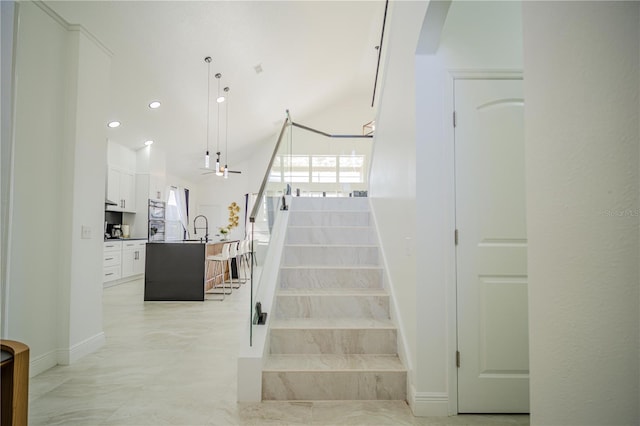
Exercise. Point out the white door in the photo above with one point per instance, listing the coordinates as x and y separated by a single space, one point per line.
491 255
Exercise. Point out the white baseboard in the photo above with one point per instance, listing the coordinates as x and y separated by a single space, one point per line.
122 280
43 363
428 404
79 350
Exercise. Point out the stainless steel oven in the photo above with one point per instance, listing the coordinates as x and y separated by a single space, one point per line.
157 210
156 220
156 230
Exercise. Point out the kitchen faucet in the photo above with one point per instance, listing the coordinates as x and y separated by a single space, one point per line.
206 227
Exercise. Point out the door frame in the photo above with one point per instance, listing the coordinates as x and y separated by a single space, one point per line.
450 188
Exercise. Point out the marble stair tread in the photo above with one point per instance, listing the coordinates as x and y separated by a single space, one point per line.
338 203
330 235
325 276
331 245
311 304
330 218
358 227
334 385
330 210
333 362
331 323
335 255
337 291
336 267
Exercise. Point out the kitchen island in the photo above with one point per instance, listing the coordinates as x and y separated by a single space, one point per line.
175 271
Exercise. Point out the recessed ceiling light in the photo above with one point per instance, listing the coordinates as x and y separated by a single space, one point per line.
220 99
114 124
154 105
147 143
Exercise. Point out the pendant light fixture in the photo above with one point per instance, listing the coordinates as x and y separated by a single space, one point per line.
226 133
206 155
218 170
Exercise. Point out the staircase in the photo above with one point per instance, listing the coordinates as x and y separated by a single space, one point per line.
331 337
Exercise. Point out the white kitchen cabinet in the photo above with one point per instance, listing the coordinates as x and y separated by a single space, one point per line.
112 261
133 257
121 189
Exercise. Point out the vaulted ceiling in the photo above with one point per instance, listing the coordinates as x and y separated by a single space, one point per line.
311 53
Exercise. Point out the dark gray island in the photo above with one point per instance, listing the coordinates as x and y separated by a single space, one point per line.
175 271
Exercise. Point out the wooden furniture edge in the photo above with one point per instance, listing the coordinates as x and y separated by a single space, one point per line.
20 396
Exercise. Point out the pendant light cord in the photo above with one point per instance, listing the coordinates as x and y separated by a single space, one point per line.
208 60
218 105
226 133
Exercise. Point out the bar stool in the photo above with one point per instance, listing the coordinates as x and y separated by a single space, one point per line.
253 245
242 259
233 254
220 259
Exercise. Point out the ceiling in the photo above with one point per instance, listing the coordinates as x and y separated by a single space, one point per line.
312 55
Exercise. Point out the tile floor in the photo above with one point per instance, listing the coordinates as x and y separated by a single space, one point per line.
175 364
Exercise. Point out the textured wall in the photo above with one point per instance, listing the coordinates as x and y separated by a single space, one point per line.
392 180
582 137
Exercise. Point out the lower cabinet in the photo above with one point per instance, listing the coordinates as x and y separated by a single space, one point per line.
112 261
123 259
133 257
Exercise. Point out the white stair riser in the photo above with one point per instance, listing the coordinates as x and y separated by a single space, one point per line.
330 203
334 385
330 235
330 256
333 341
330 278
329 219
330 306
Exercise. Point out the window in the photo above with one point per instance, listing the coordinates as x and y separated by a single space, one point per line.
351 168
176 213
296 168
275 175
323 169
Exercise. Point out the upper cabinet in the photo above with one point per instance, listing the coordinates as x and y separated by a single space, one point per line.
121 178
121 189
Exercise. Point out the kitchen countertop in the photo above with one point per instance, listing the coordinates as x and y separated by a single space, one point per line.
188 242
124 239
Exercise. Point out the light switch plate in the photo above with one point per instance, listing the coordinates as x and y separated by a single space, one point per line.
86 232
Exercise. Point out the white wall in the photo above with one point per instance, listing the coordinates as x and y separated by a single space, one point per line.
37 184
7 15
392 180
476 36
344 116
582 71
54 280
86 145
